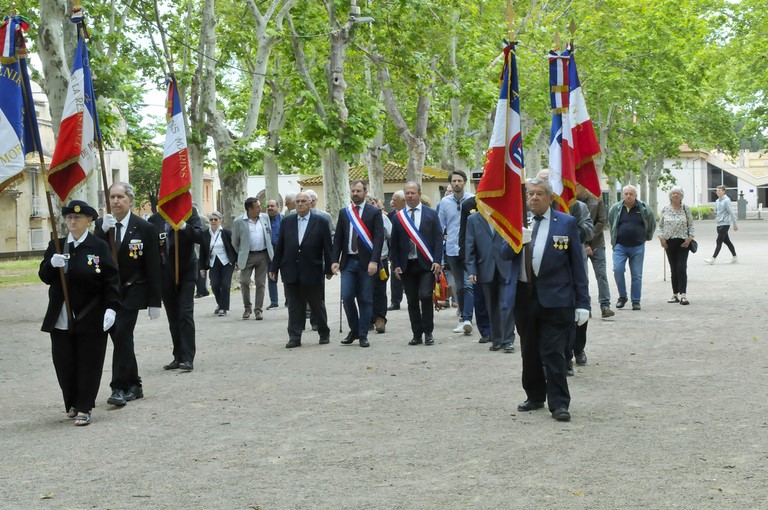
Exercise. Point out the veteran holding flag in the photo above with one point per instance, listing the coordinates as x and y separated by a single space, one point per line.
138 259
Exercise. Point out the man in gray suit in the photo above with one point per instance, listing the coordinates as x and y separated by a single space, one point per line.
486 266
252 239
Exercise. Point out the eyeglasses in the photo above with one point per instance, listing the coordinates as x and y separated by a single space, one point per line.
213 219
75 217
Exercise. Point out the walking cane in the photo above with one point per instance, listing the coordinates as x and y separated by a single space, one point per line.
340 303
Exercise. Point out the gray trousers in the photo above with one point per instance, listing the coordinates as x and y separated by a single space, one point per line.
258 263
502 319
601 275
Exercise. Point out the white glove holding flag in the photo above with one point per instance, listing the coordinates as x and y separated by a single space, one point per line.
107 222
527 235
154 312
582 316
109 318
182 225
58 260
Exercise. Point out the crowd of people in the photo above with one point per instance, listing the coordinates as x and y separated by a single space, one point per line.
99 282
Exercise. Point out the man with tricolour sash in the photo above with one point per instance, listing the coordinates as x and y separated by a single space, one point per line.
357 245
416 252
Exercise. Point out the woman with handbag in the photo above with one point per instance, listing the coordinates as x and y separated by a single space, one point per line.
676 237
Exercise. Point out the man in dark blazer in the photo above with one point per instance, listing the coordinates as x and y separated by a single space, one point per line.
358 261
179 298
553 297
485 266
303 256
417 267
138 261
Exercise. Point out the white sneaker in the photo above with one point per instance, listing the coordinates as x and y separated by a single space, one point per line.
467 327
709 261
459 328
734 260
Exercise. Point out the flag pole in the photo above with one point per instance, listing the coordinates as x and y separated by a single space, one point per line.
97 134
30 110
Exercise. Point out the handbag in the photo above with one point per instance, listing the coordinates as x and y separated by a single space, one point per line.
693 246
441 292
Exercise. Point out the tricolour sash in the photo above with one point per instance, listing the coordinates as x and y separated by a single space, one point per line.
415 235
357 223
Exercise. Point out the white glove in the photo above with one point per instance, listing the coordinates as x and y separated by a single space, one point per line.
58 260
527 234
107 222
182 225
109 318
582 316
154 312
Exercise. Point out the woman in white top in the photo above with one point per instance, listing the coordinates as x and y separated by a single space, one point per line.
675 235
218 256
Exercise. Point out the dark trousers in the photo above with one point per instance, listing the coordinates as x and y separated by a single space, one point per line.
200 286
395 289
299 296
179 302
580 340
544 335
722 238
78 360
272 289
482 317
462 289
380 294
419 284
502 320
357 296
678 265
125 370
221 283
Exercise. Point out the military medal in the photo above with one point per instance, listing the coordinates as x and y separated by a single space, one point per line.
96 262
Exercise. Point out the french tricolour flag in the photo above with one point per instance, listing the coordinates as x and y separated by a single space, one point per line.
74 157
499 192
573 144
175 200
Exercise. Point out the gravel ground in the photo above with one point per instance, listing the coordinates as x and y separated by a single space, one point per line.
670 412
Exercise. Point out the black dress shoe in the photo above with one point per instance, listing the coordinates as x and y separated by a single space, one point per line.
133 393
293 343
364 342
494 347
351 337
393 307
173 365
561 415
581 358
529 405
569 368
484 340
428 340
324 341
415 340
186 366
117 398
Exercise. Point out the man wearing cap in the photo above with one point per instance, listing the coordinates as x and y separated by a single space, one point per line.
179 297
138 261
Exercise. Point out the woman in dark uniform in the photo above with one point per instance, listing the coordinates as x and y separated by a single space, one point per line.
218 256
78 344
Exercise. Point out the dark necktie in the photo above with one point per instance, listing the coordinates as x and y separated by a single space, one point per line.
118 233
529 249
353 244
412 248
